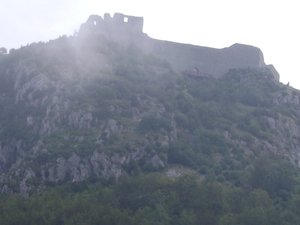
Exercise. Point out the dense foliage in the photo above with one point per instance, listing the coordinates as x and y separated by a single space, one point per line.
157 199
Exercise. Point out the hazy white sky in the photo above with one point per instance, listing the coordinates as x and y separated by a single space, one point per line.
271 25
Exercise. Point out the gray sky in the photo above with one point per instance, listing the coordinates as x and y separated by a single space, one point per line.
270 25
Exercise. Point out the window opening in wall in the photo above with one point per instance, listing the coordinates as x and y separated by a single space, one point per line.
95 23
126 19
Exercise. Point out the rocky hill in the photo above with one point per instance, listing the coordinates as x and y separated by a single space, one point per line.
85 110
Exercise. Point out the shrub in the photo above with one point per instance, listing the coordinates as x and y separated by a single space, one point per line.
153 123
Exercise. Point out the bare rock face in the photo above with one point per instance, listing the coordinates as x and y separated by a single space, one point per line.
112 127
287 97
24 186
286 131
80 119
271 122
157 162
11 154
77 169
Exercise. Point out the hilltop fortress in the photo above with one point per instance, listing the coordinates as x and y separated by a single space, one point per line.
203 61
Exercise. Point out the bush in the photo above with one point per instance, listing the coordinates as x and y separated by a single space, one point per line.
153 123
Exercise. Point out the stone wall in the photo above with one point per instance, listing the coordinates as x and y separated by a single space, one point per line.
128 30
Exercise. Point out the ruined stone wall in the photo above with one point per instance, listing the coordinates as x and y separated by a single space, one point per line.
120 28
208 60
127 30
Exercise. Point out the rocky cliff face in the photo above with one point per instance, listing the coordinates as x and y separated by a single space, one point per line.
84 108
53 110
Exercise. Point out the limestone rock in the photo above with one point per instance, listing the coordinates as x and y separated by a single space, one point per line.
271 123
157 162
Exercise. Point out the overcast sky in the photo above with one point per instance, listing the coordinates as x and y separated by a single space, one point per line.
273 26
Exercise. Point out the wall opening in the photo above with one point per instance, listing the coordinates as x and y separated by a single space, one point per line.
95 23
126 19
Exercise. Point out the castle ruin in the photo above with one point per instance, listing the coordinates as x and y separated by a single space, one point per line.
127 30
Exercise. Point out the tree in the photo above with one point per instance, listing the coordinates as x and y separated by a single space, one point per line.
3 51
274 175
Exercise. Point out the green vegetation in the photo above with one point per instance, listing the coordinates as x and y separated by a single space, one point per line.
77 96
156 199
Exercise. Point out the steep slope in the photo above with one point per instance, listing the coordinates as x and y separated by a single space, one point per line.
95 132
77 108
74 112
